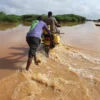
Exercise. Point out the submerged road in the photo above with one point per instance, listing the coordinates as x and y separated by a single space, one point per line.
13 46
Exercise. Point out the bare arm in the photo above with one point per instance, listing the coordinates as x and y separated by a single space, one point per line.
46 28
56 23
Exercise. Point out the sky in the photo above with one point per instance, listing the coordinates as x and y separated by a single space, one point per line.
87 8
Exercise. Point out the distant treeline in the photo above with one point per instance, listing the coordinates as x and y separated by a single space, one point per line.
99 20
28 18
9 18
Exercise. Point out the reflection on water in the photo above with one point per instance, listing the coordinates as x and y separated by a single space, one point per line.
71 23
5 25
26 23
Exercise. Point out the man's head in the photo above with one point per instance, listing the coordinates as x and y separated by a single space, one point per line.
39 18
49 13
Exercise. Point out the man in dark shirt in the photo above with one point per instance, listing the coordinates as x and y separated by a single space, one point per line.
52 22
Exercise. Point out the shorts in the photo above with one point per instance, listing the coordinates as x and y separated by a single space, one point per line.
33 43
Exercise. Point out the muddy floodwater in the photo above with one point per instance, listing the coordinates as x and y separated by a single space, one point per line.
72 72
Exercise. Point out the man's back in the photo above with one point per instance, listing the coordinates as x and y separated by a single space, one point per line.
38 30
52 22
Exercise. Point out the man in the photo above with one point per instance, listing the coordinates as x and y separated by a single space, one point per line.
33 39
52 22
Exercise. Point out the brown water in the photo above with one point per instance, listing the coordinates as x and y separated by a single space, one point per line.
72 72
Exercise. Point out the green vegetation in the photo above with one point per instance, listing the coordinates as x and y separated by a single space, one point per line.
70 18
9 18
62 18
28 18
2 16
99 20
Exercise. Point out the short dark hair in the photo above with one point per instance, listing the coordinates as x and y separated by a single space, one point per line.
39 18
49 13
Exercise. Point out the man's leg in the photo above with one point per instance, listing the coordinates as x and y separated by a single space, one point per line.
35 60
33 44
28 63
46 47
